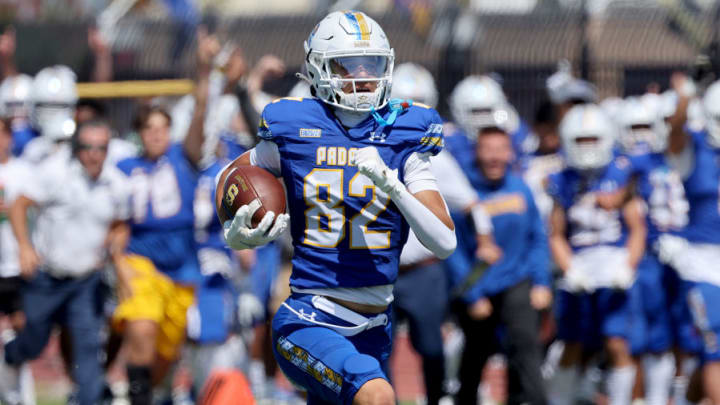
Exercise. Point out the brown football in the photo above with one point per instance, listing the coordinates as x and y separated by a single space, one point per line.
241 184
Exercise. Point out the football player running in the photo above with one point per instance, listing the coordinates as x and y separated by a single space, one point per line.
356 168
644 138
598 251
694 154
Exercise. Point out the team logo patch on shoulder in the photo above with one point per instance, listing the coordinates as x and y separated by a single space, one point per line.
310 133
432 141
434 129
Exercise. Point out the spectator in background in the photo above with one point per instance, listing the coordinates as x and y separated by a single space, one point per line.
78 203
12 174
158 269
510 291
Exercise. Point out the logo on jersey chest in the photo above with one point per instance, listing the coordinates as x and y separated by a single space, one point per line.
310 133
377 137
505 204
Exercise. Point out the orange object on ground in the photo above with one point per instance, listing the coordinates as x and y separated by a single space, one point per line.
227 387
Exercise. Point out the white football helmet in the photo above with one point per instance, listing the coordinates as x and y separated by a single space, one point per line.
612 106
53 97
15 96
587 137
414 82
478 102
711 107
643 128
347 54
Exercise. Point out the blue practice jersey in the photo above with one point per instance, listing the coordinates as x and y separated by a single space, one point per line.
346 232
460 147
587 224
659 186
162 220
22 133
701 188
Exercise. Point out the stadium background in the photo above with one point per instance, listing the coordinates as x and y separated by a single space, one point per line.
622 46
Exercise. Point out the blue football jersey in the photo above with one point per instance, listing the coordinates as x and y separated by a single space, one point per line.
587 224
659 186
162 218
702 188
345 231
460 147
22 134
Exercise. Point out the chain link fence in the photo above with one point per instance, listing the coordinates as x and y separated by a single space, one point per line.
621 51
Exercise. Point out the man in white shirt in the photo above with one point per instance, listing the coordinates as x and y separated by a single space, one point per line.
78 201
12 174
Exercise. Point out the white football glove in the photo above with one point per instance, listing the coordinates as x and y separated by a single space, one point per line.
623 278
577 278
669 247
250 309
577 281
370 164
238 232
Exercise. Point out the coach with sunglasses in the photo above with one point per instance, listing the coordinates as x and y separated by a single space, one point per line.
77 201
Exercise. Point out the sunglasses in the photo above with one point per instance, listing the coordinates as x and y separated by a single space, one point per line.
89 147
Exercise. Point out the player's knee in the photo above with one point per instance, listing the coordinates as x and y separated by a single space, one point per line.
375 392
572 354
618 351
141 337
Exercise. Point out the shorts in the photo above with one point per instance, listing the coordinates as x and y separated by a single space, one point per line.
329 366
704 300
589 318
157 298
684 334
10 296
649 309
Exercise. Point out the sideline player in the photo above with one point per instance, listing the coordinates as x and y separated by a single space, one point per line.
598 251
694 154
643 166
157 273
357 173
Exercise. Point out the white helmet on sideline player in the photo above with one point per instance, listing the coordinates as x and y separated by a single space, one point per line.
414 82
477 97
347 50
643 128
587 137
15 96
53 98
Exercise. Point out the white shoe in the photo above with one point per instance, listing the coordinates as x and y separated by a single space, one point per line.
9 382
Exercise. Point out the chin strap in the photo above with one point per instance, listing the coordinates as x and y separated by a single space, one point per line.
396 105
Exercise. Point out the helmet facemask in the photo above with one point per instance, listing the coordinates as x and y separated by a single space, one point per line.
589 152
353 80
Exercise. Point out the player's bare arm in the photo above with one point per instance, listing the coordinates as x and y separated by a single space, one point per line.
634 216
29 259
208 47
684 89
559 247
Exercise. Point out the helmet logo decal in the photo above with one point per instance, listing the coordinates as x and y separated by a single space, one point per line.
357 20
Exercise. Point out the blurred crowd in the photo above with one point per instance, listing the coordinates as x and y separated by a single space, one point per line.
589 278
